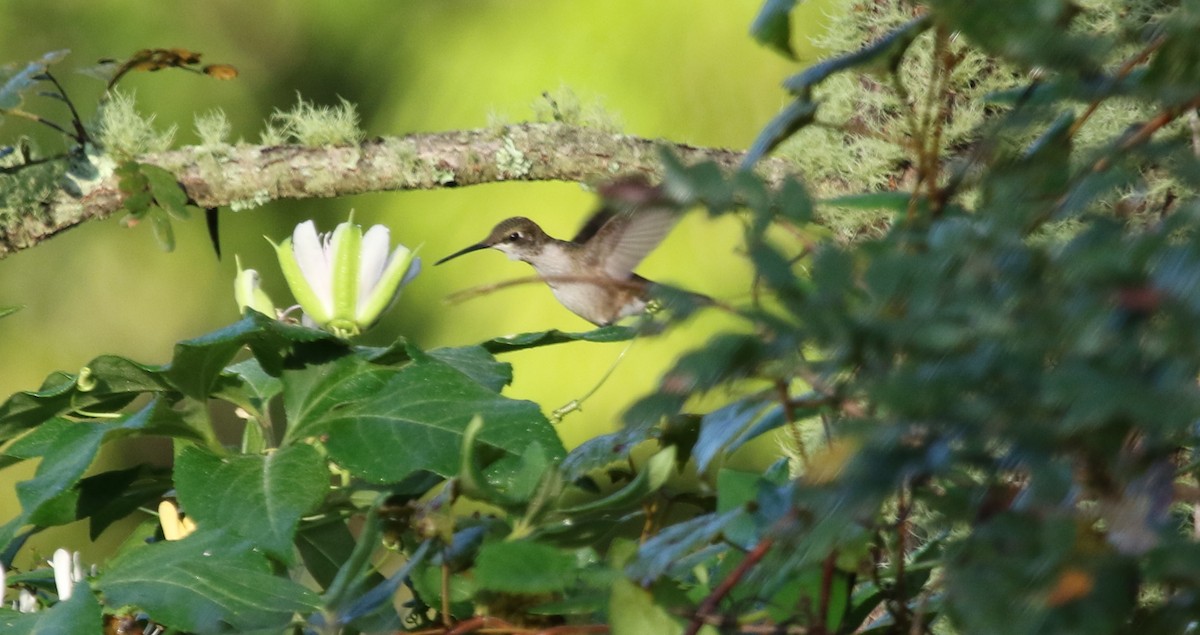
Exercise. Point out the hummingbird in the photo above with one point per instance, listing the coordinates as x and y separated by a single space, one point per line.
592 274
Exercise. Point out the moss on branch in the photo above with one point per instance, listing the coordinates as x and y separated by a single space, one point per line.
243 176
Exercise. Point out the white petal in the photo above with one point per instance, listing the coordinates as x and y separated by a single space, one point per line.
26 602
3 584
61 563
373 258
312 255
76 567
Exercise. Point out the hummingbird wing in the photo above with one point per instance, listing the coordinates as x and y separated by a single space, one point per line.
627 237
593 225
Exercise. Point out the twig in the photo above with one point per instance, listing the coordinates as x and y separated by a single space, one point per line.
1122 71
709 605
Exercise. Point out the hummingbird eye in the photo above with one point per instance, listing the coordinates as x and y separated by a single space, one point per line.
514 237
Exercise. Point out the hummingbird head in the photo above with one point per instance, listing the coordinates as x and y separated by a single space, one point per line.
518 237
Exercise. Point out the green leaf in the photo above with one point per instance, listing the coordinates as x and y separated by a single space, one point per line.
108 384
260 498
720 428
650 479
772 26
79 614
205 583
632 611
9 310
883 55
522 341
478 364
417 420
168 193
324 546
198 363
108 497
669 549
523 567
70 447
311 393
247 385
796 116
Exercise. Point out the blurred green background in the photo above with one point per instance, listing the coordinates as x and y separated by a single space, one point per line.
682 70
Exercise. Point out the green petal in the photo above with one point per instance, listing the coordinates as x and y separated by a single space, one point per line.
347 247
388 287
301 289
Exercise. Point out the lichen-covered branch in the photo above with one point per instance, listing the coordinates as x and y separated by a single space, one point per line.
244 176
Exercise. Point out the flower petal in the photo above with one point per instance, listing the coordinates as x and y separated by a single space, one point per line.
374 259
345 250
310 303
312 256
402 267
61 563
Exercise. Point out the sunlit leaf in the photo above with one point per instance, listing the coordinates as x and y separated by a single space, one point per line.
523 567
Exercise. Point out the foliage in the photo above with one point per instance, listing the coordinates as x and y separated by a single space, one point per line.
991 395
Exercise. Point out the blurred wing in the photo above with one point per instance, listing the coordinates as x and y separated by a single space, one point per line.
628 237
593 225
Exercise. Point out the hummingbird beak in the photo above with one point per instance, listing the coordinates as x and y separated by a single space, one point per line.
475 247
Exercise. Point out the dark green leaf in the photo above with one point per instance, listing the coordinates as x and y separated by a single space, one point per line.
168 193
478 364
773 26
205 583
79 614
108 383
523 341
69 450
198 362
670 546
652 476
797 115
324 546
416 422
719 428
259 498
312 393
884 56
108 497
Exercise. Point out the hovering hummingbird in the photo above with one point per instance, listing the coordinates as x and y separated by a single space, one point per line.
592 274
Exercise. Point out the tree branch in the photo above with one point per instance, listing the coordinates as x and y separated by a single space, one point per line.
245 176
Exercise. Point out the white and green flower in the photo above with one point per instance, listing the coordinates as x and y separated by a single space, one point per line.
344 280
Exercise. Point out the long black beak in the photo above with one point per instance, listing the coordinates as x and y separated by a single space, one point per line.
475 247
